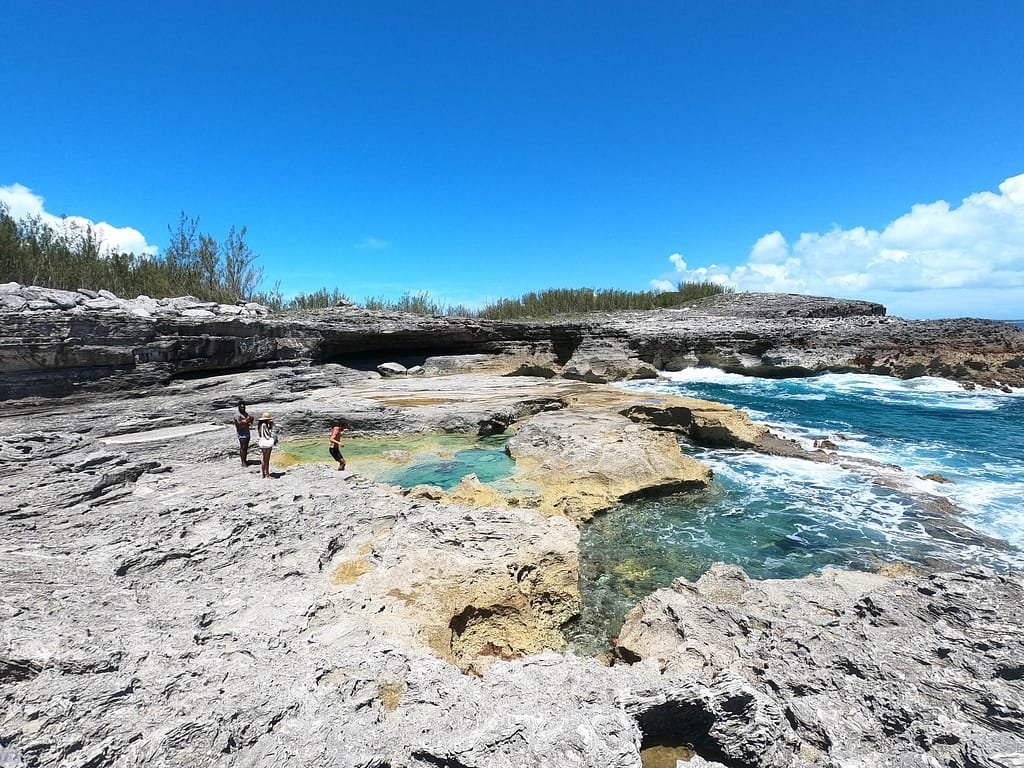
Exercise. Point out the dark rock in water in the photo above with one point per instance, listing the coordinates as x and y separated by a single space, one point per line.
936 477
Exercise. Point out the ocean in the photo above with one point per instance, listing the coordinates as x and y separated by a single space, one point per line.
931 476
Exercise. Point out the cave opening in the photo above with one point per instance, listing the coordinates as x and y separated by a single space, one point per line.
680 727
369 359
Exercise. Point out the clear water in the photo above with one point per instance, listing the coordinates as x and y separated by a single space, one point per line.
488 464
441 460
785 518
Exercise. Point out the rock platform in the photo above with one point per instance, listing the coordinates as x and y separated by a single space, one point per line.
162 605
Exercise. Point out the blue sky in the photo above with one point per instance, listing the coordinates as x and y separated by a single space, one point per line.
477 150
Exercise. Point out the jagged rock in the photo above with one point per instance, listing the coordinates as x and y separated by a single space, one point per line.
470 492
162 605
102 302
199 313
12 301
869 670
61 299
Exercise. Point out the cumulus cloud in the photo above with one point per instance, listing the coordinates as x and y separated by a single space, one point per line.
22 201
972 253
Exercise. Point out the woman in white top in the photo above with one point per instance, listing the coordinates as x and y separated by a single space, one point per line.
266 439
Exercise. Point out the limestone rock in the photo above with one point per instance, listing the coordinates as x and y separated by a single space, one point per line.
755 334
870 670
471 492
12 301
589 462
392 369
162 605
599 362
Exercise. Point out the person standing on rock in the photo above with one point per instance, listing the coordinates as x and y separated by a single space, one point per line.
243 421
335 443
266 439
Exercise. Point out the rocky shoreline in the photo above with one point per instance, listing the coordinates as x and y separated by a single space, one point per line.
161 605
54 343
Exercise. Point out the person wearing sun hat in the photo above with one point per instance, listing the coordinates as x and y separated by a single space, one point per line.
266 440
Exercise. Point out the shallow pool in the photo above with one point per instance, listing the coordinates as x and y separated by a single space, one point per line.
441 460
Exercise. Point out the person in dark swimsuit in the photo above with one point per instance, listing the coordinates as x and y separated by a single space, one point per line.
243 421
335 443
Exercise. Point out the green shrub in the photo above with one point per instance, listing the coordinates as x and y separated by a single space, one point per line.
575 301
33 252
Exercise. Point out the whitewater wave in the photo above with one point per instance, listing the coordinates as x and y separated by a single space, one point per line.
886 505
925 391
707 376
884 431
865 384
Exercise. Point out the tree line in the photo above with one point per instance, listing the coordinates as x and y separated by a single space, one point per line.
574 301
66 256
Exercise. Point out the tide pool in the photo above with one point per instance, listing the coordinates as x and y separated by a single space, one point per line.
440 460
785 518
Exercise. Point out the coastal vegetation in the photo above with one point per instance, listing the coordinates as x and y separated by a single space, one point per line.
69 257
571 301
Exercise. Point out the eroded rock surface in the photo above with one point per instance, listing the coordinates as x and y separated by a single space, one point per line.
587 462
866 670
161 605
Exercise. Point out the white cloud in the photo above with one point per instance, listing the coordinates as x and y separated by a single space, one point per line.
372 243
922 263
661 286
22 201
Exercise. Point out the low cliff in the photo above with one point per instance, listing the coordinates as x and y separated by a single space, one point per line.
54 343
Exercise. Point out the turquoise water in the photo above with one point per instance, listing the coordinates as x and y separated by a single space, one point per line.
488 464
785 518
